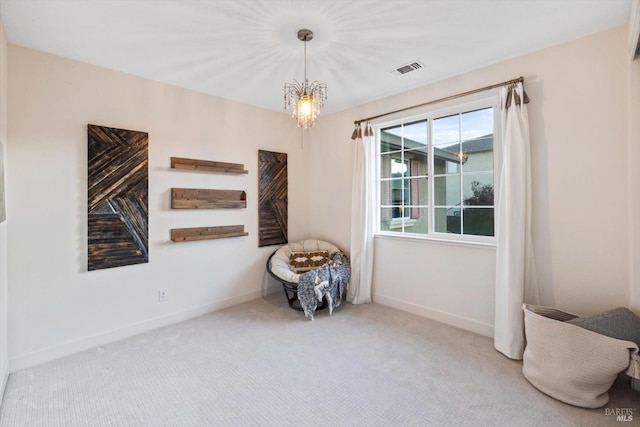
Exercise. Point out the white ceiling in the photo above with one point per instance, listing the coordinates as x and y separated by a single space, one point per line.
245 50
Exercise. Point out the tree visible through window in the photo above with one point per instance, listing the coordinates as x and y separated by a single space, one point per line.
436 175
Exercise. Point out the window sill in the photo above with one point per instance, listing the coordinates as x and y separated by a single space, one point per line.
434 240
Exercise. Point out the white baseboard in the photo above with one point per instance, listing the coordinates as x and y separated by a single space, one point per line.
28 360
4 376
437 315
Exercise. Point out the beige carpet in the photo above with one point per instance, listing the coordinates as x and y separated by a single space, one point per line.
263 364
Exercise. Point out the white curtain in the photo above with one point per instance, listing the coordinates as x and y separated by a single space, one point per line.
516 280
362 214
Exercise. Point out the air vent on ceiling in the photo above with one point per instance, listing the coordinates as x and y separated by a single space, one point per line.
404 69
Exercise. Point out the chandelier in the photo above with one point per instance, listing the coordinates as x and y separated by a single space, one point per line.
305 100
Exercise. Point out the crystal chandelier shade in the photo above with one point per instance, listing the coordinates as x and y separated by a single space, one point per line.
305 100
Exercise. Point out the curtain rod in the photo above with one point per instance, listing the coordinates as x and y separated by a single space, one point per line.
447 98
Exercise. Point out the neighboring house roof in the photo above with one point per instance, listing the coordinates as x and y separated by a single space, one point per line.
445 154
475 145
395 141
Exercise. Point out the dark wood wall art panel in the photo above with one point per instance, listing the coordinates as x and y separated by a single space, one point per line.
273 200
118 197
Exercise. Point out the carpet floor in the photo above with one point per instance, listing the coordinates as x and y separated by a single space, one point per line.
263 364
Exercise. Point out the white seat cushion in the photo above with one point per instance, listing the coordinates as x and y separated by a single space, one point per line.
280 260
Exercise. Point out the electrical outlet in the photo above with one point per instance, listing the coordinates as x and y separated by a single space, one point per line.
162 295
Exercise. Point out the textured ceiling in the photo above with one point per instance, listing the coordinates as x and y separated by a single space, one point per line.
245 50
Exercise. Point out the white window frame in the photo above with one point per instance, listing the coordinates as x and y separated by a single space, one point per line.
430 115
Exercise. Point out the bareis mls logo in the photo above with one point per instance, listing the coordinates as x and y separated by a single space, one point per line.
621 414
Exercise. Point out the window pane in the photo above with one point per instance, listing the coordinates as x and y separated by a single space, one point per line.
385 193
386 220
446 159
395 195
446 141
478 189
476 130
415 135
398 212
418 221
478 221
477 154
405 191
447 190
400 198
418 161
390 139
447 220
392 166
418 191
446 130
478 123
396 192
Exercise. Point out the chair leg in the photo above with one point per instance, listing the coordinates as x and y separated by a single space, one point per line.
292 299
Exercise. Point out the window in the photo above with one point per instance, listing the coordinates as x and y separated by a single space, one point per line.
400 195
436 174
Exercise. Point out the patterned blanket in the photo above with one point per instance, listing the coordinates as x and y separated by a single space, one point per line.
328 281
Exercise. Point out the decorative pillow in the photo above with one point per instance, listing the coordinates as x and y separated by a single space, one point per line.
280 266
620 323
305 261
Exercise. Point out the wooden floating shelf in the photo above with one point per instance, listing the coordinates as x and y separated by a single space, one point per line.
207 165
207 233
191 198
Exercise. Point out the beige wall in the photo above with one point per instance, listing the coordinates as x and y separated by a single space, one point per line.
578 118
634 180
4 361
56 306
